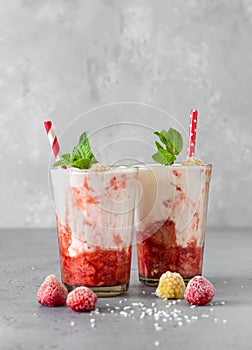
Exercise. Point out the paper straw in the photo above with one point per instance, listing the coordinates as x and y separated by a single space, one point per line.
192 133
52 139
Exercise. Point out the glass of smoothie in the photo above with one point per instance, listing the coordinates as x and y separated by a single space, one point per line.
171 220
95 217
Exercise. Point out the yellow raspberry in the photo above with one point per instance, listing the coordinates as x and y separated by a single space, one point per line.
171 286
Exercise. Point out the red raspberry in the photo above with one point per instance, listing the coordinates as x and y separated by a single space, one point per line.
199 291
82 299
52 292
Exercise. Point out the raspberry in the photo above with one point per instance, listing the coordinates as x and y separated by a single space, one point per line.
82 299
171 286
199 291
52 292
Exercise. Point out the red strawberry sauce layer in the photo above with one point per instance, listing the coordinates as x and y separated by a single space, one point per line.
99 267
159 252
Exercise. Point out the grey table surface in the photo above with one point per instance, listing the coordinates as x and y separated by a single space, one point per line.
125 322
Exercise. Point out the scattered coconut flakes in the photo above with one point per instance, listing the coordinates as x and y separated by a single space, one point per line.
149 312
127 307
157 327
123 313
142 315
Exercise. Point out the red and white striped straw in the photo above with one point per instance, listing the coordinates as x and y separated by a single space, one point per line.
192 133
53 139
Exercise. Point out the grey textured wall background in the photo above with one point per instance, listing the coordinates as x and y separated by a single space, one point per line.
61 58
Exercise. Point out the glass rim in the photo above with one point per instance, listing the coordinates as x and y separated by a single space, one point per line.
176 165
111 169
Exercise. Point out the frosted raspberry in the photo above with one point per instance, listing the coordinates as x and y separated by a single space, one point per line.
171 286
52 292
199 291
82 299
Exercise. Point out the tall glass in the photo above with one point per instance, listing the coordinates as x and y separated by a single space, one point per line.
95 216
171 220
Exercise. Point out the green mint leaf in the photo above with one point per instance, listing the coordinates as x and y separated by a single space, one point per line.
164 158
82 163
83 149
67 157
159 147
81 157
159 158
161 136
60 162
65 160
173 142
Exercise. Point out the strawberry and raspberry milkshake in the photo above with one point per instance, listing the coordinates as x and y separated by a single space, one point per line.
95 214
171 219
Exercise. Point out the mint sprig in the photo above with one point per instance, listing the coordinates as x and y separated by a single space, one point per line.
81 157
173 143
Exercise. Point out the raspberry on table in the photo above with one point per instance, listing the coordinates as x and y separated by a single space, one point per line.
171 286
82 299
52 292
199 291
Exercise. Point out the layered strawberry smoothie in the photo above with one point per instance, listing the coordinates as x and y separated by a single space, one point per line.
171 220
95 214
